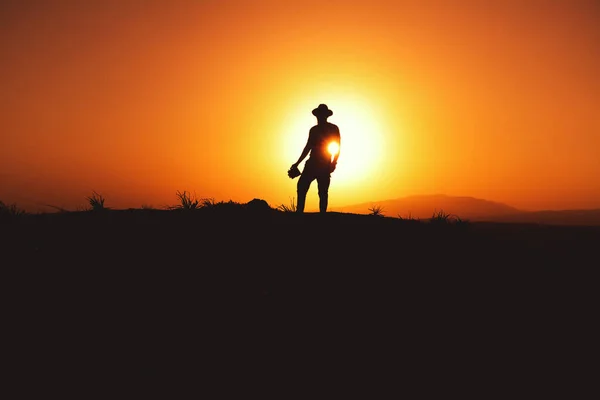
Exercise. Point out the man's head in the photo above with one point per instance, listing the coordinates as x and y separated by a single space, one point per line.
322 112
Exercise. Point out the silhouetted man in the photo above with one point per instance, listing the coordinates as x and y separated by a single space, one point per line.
322 161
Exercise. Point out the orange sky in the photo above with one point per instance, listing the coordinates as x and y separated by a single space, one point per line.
137 100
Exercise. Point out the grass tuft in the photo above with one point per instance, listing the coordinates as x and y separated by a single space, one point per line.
285 208
441 217
96 202
210 202
187 202
409 217
57 208
10 210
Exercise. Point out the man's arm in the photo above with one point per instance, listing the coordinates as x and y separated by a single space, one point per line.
302 156
305 152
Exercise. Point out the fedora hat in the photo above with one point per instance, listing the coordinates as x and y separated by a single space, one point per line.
322 111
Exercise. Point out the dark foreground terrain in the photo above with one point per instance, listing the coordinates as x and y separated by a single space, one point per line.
254 297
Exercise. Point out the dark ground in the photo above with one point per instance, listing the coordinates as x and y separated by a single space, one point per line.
250 298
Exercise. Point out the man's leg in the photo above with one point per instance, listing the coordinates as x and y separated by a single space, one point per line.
302 189
323 182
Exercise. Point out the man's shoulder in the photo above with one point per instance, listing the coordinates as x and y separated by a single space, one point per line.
333 127
326 127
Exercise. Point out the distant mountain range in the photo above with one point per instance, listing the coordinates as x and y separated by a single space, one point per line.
472 209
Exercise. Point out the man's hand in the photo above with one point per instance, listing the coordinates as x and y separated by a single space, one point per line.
294 172
332 167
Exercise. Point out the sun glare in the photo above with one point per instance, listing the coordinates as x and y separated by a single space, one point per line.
333 148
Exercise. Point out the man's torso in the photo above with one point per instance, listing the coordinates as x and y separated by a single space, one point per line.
320 136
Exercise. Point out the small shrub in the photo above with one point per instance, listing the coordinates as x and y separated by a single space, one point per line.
258 205
376 211
96 202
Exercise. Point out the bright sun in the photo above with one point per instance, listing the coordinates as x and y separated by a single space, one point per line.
363 143
333 148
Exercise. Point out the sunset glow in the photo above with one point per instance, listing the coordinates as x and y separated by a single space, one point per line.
362 142
140 99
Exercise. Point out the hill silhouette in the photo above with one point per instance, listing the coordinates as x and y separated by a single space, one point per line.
424 206
553 217
474 209
240 289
